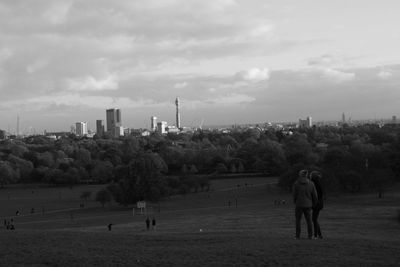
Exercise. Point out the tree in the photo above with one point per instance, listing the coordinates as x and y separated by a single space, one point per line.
103 171
6 173
23 166
45 159
53 176
103 196
297 149
221 168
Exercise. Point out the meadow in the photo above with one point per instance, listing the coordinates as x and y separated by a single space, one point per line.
240 222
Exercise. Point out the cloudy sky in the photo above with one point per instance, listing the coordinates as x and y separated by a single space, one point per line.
229 61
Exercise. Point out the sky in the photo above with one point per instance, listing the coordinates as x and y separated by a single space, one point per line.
228 61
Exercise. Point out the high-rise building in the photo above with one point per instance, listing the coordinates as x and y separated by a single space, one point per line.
153 123
307 123
100 127
3 134
81 128
162 127
118 131
394 119
113 117
178 115
343 118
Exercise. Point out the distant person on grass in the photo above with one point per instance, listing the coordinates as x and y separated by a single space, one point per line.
109 226
315 177
147 224
153 223
305 197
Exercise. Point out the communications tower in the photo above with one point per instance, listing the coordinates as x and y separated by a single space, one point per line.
178 115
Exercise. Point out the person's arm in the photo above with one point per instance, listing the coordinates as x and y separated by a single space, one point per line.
314 195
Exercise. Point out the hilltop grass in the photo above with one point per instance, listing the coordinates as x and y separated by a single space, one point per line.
359 230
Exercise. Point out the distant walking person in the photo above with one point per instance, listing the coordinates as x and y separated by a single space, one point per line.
305 197
153 223
109 226
315 177
147 224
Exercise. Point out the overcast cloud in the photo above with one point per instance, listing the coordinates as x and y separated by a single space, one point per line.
229 61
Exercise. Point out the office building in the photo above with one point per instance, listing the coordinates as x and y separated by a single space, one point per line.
81 128
307 123
162 127
153 125
117 131
113 117
100 127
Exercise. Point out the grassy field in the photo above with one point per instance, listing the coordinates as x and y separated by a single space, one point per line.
233 225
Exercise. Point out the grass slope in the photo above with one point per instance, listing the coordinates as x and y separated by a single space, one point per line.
359 230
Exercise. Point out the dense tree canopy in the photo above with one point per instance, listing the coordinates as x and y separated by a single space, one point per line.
351 158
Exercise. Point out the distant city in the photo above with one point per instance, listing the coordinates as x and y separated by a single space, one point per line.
114 127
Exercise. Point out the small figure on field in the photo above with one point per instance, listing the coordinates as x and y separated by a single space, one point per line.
147 224
153 223
304 197
32 210
12 227
315 177
8 225
17 212
109 226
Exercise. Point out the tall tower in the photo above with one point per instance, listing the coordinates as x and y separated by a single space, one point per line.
343 118
17 133
178 116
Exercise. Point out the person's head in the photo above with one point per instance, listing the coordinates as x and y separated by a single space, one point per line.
303 174
315 175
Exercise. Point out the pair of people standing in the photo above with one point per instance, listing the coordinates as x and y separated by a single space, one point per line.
308 196
153 223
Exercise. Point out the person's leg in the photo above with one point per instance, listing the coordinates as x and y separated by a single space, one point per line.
317 231
307 215
298 214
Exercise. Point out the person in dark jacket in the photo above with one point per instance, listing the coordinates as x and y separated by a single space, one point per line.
147 224
304 197
315 177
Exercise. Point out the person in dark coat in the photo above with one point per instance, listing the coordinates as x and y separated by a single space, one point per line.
153 223
304 197
147 224
315 177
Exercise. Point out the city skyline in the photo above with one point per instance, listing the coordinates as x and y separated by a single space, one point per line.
230 62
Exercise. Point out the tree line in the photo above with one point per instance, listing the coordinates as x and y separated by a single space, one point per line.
155 166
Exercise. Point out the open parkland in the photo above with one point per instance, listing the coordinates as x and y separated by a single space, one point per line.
238 222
